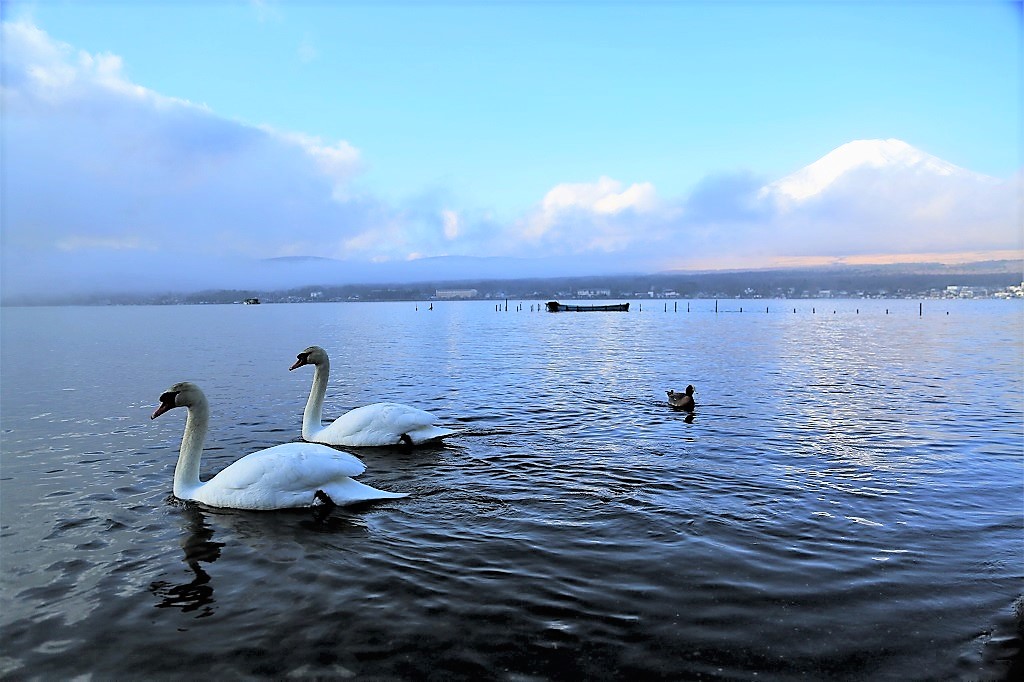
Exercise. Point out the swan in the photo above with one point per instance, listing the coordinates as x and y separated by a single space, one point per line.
367 426
283 476
683 401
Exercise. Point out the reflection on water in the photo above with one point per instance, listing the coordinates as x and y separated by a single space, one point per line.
197 594
843 504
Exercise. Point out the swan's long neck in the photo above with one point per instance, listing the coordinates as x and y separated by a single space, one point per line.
311 417
186 473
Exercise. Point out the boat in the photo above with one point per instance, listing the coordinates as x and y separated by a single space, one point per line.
556 307
252 301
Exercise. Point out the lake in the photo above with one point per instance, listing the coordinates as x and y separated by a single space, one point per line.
846 502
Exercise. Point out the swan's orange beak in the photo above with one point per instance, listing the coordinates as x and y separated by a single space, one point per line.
303 359
166 403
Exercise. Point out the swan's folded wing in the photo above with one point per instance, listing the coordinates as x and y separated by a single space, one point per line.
377 424
289 476
291 466
395 415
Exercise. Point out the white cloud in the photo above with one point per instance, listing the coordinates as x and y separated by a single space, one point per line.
40 69
597 216
605 196
452 228
105 176
265 10
340 161
115 243
97 164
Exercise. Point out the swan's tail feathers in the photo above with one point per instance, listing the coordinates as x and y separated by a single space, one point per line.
427 434
350 491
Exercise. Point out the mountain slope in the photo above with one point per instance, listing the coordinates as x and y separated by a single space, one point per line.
883 156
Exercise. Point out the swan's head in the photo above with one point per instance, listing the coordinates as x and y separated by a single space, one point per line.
673 394
184 394
314 355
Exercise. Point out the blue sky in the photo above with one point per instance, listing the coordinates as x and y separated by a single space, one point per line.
467 128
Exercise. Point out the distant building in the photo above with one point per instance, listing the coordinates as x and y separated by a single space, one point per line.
593 293
455 293
1012 291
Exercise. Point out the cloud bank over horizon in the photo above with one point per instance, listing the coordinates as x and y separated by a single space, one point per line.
111 186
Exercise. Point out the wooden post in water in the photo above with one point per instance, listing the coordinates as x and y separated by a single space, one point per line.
920 309
675 307
716 305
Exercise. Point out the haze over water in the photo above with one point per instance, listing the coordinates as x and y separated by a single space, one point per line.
845 502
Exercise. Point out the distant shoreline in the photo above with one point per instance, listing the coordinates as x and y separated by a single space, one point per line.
997 279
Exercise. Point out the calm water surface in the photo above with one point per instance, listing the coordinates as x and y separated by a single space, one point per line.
846 503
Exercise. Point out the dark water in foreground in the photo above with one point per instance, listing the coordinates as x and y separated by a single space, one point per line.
847 503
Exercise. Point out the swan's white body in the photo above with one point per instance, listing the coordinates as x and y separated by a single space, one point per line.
372 425
367 426
283 476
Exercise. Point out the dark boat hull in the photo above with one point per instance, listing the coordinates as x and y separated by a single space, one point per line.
556 307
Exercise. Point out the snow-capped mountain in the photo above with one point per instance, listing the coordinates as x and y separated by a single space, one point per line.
882 155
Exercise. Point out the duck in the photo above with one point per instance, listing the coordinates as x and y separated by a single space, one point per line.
284 476
683 401
378 424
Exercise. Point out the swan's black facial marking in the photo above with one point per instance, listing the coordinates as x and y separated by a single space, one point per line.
168 401
302 359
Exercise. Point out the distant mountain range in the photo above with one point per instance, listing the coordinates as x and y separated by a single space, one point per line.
314 270
449 270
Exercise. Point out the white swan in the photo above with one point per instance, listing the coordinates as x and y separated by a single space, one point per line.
288 475
370 425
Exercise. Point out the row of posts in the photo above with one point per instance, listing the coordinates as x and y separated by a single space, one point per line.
675 307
